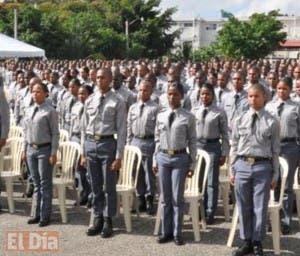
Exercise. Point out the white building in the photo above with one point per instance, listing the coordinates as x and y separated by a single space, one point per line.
200 32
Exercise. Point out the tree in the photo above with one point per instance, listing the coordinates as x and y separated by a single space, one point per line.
205 53
253 39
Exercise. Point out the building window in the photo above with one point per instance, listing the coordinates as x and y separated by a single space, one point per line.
211 27
188 24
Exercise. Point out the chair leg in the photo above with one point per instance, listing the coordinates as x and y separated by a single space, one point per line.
234 223
9 191
62 202
91 217
126 211
118 205
33 206
202 213
225 198
158 217
195 220
275 222
298 204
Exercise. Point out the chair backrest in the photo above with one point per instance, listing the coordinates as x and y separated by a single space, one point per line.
296 179
15 131
16 145
63 135
131 162
284 173
192 184
70 154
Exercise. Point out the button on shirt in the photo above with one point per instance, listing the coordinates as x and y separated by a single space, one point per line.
214 126
289 117
141 125
180 135
43 127
107 119
264 142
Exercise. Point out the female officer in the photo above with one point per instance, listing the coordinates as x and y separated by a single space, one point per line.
174 132
255 168
41 144
288 114
211 126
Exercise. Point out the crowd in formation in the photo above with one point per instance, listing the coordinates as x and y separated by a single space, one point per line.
244 113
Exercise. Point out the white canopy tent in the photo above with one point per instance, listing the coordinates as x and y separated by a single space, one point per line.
12 48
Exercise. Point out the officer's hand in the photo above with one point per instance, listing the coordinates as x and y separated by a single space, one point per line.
273 184
2 143
190 174
83 161
23 155
222 160
231 180
154 169
116 165
53 160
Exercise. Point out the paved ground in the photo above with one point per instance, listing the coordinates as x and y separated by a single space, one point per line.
141 241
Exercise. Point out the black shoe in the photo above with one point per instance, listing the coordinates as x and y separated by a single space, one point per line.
96 228
29 191
150 206
142 204
89 203
178 240
244 249
107 230
285 229
210 220
44 223
257 248
165 238
33 220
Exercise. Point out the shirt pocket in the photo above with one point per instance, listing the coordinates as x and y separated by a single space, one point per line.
109 114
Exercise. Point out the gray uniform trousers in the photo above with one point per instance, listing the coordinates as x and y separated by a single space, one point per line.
252 190
100 155
41 171
290 152
172 173
146 177
212 188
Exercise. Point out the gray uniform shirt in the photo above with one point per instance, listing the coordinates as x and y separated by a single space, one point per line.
263 141
106 118
182 133
4 116
76 117
43 128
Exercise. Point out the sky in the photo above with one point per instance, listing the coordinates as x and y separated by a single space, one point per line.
210 9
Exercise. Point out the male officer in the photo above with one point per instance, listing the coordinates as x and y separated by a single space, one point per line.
104 115
140 132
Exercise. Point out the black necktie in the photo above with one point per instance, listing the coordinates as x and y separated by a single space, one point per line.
171 118
31 102
204 113
73 100
142 109
102 98
198 95
254 118
236 99
272 94
34 112
81 112
280 108
220 95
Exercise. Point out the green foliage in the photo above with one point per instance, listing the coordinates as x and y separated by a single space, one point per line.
77 29
206 53
253 39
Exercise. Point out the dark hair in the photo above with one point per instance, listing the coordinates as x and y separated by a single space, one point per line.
43 86
209 87
76 82
287 81
88 88
178 86
260 88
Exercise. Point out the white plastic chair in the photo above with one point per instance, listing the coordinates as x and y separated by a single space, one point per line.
126 185
192 195
63 135
224 185
273 208
297 192
12 170
70 154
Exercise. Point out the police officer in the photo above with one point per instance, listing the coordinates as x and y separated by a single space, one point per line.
288 113
174 131
211 127
140 132
255 168
40 148
4 119
104 115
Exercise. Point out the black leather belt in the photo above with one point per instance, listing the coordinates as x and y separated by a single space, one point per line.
173 152
252 160
146 137
209 140
288 140
99 137
38 146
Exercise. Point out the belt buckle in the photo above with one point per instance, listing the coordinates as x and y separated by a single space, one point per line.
97 137
171 152
251 160
35 146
